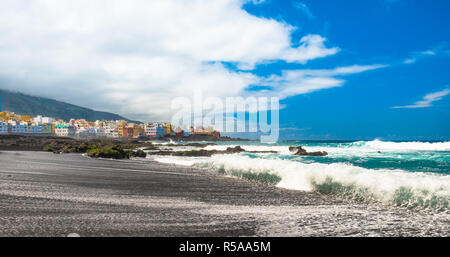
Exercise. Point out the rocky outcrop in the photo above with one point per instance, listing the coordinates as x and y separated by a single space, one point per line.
298 150
139 153
236 149
114 152
110 152
106 148
203 152
32 143
193 153
198 144
96 148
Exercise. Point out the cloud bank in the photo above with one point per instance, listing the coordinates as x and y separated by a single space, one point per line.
134 57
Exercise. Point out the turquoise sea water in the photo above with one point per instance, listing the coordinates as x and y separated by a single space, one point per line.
372 156
410 156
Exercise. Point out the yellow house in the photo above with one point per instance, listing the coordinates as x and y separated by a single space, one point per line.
4 116
14 117
169 128
120 127
136 130
26 118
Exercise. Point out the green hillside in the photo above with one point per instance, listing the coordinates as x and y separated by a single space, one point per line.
30 105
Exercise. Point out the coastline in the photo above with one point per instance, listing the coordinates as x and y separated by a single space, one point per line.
17 142
43 194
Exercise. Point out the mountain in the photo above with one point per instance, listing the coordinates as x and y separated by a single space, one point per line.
31 105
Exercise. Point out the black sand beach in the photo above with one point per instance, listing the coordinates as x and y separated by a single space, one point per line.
45 194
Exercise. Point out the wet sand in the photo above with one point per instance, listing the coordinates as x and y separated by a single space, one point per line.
45 194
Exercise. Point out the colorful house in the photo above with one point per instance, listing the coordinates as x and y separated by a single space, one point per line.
35 129
157 131
26 118
136 130
64 130
3 128
48 129
4 116
120 127
43 120
110 130
179 134
169 129
86 132
149 130
24 124
19 128
128 132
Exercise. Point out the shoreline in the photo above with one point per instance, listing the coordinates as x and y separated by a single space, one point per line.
16 142
43 194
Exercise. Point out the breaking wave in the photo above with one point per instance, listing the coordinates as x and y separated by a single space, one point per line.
393 187
407 174
402 146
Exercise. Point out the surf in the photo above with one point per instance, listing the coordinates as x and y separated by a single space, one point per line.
407 174
392 187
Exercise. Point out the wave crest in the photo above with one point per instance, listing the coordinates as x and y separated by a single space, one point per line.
402 146
393 187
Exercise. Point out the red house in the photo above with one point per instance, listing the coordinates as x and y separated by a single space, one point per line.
128 132
180 134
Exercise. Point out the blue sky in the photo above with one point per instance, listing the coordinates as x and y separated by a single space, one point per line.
343 69
396 33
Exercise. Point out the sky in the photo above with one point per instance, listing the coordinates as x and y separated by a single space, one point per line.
345 69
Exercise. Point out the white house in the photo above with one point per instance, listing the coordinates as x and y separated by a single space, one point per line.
64 130
85 132
99 132
43 120
155 130
150 130
110 130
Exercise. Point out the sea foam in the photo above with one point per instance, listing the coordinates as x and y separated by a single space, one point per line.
403 146
390 185
398 187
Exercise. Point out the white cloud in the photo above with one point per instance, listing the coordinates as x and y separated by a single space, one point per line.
258 1
419 55
134 57
410 61
304 8
427 100
296 82
428 52
312 47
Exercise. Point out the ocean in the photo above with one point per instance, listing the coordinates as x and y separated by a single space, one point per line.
414 175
